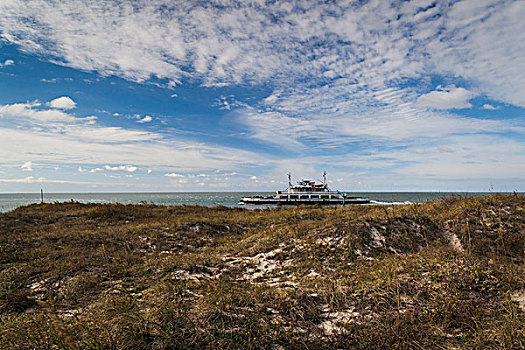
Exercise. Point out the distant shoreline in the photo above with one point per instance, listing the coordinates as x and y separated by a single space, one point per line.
10 201
227 192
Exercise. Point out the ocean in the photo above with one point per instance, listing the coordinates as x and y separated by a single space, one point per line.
10 201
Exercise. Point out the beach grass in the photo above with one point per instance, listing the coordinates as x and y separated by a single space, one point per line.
444 274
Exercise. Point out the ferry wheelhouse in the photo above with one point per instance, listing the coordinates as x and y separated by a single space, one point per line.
306 192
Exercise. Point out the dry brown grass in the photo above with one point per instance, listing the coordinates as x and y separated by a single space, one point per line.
444 274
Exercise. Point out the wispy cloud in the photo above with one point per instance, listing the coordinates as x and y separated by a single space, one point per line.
33 179
357 79
464 157
27 180
373 42
30 129
27 166
390 125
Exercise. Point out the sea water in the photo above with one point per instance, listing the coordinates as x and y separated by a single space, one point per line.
10 201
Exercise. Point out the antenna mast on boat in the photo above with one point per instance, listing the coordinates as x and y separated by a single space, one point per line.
324 177
289 179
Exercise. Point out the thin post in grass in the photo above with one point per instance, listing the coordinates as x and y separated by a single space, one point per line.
469 239
41 196
398 299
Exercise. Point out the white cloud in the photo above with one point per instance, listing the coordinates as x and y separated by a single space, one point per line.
30 110
128 168
91 171
146 119
271 99
27 166
62 102
91 120
488 106
7 63
329 74
173 175
447 98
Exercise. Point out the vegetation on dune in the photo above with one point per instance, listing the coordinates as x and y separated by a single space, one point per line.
444 274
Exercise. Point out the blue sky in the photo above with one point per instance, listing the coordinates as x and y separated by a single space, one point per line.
232 95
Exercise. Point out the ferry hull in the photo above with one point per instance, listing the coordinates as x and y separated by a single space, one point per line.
277 201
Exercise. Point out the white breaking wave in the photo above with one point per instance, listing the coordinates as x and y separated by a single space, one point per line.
373 202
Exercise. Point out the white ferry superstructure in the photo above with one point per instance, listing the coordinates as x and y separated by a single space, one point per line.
306 192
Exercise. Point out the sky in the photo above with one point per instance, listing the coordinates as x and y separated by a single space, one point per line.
223 95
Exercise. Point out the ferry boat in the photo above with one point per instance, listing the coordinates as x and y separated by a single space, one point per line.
306 192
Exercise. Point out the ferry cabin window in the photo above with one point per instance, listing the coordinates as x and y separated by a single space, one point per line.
293 196
305 196
325 196
313 196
